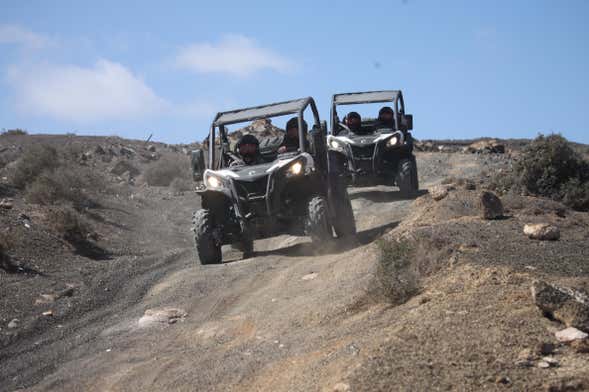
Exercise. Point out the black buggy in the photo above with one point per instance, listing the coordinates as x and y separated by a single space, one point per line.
286 193
379 155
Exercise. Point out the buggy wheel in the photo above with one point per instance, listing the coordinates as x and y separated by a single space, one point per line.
344 223
406 177
317 224
207 247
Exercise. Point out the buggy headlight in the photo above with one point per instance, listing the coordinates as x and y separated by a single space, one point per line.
394 141
214 182
296 168
335 144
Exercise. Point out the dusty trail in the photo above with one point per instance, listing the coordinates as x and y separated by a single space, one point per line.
289 319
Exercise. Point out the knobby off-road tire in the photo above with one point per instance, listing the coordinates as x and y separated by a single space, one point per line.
344 223
317 224
209 251
406 178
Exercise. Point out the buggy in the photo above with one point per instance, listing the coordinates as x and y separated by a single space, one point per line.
380 155
287 193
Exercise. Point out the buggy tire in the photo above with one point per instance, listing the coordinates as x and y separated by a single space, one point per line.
406 177
317 224
208 249
344 223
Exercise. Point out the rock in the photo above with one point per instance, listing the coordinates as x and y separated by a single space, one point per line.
486 146
525 358
545 348
13 323
127 151
543 365
45 299
341 387
503 380
438 192
124 166
162 316
87 156
565 385
99 150
310 276
6 204
580 346
570 334
491 206
151 148
566 305
48 313
542 231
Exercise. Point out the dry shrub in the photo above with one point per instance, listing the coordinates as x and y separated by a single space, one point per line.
69 224
72 184
15 132
34 161
396 276
181 185
164 171
549 167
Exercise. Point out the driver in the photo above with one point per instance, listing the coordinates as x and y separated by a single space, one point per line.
290 142
354 122
386 117
248 148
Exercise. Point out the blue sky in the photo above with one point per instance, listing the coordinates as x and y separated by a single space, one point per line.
467 69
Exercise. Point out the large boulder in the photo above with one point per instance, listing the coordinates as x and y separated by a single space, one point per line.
566 305
491 206
542 231
486 147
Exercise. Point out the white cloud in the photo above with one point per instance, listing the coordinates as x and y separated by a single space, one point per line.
234 54
12 34
81 95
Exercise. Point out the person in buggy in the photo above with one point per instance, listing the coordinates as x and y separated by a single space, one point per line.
386 118
290 143
248 151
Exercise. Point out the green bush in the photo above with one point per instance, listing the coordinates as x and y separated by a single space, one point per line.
34 161
549 167
395 272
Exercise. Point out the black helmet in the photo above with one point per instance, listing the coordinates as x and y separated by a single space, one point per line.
295 122
248 139
385 109
354 115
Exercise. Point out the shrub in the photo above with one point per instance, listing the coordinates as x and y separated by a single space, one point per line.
69 224
35 160
549 167
65 184
164 171
15 132
395 273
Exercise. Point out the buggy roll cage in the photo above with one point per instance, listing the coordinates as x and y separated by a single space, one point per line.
295 106
395 96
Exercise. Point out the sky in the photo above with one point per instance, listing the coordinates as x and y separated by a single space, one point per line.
509 69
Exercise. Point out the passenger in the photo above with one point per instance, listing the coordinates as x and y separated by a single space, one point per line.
290 142
386 117
248 148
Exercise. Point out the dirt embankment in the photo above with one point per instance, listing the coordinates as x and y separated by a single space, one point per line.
295 318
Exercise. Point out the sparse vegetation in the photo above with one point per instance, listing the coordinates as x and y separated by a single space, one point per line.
396 277
549 167
34 161
69 224
164 171
14 132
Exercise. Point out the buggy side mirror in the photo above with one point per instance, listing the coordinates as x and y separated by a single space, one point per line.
405 122
197 163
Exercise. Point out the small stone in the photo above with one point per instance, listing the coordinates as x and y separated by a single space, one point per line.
45 299
163 315
13 323
438 192
503 380
6 204
550 361
542 231
570 334
546 349
491 206
310 276
48 313
341 387
543 365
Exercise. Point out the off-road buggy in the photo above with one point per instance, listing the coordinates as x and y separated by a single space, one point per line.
288 193
380 155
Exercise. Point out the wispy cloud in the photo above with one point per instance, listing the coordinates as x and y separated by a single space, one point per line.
16 35
106 90
236 55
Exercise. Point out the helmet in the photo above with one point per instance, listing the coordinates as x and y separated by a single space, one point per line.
248 147
385 109
294 122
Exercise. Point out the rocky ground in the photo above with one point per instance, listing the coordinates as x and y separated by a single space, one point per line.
142 314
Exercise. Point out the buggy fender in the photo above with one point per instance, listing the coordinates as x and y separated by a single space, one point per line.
212 199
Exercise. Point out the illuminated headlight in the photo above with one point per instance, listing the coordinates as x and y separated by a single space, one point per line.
296 168
334 144
214 182
393 141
